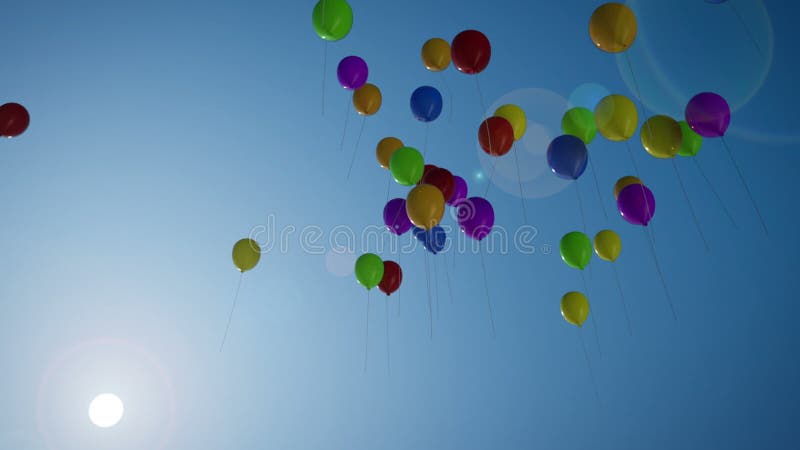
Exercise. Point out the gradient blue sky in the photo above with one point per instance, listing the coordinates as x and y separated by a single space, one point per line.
164 131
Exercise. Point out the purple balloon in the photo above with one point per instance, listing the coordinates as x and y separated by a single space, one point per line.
636 204
476 217
459 191
395 216
708 114
352 72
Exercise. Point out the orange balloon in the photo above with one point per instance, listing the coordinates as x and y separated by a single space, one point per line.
624 182
425 206
385 150
436 54
367 99
612 27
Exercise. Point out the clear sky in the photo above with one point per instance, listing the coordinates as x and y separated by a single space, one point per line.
164 131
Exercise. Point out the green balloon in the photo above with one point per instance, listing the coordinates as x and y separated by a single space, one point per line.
407 166
576 249
579 122
369 270
332 19
690 142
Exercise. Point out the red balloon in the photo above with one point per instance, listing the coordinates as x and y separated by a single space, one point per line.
496 136
470 51
392 277
442 179
14 119
425 170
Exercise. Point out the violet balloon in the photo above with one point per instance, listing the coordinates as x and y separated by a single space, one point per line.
636 204
459 191
352 72
708 114
476 217
395 216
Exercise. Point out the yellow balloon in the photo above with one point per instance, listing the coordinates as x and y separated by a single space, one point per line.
661 136
246 253
575 308
516 116
367 99
385 149
607 245
425 206
624 182
616 117
436 54
612 27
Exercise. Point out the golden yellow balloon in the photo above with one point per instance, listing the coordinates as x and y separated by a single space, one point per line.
436 54
661 136
246 253
385 149
616 117
607 245
624 182
575 308
516 117
425 206
367 99
612 27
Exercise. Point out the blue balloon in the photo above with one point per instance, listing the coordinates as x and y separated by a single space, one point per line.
567 156
433 240
426 103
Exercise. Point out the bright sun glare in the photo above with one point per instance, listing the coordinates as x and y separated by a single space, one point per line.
105 410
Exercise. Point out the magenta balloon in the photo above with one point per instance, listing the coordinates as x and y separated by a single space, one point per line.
636 204
352 72
395 216
475 217
708 114
459 191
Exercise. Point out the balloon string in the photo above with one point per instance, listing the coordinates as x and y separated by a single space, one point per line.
399 252
366 336
355 149
661 275
651 228
483 114
689 203
636 86
519 180
386 311
324 64
346 121
449 95
447 276
714 191
597 186
388 187
622 299
746 29
428 289
746 188
591 316
486 287
425 141
230 315
491 175
435 285
589 365
580 205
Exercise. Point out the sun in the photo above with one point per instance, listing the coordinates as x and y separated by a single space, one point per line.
105 410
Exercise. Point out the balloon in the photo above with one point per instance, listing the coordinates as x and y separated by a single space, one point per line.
661 136
708 114
575 308
459 191
369 270
576 249
425 206
623 182
385 149
406 165
567 156
426 170
690 142
332 19
579 122
367 99
607 245
612 27
433 240
392 278
395 217
246 253
442 179
436 54
470 51
475 217
516 117
636 204
426 103
352 72
14 120
616 117
496 136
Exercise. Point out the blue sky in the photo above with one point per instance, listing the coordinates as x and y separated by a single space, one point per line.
162 132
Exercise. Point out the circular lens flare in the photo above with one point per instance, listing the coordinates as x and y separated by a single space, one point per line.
106 410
